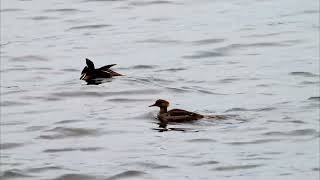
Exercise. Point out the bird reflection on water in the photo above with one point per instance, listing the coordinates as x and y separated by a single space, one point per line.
163 127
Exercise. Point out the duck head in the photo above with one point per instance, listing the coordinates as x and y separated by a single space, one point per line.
160 103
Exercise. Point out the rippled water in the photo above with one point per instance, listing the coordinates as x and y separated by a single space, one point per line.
255 60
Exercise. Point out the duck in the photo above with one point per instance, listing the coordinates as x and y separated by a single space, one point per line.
178 115
89 73
174 115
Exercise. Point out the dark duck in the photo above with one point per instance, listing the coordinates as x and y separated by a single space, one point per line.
178 115
91 74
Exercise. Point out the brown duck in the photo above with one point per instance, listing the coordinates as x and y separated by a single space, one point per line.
178 115
89 72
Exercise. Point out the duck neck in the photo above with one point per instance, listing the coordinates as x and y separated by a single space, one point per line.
163 109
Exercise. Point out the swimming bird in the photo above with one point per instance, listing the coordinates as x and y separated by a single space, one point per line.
174 115
89 73
178 115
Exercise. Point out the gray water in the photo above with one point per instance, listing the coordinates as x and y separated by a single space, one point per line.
254 60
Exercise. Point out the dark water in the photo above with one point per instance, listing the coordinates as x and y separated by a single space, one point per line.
255 60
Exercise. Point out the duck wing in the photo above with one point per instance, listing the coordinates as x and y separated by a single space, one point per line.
181 112
89 63
113 73
108 70
107 67
102 74
179 115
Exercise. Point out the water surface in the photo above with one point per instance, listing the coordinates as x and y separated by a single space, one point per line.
254 60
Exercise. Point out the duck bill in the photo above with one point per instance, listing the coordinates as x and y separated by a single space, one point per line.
152 105
83 76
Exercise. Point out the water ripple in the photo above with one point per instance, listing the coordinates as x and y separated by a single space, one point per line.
157 2
269 34
304 74
10 10
41 169
70 70
229 80
226 50
63 132
256 110
29 58
150 165
35 128
208 41
72 149
14 173
258 44
127 174
95 26
259 141
77 177
102 94
13 103
41 18
161 41
206 163
172 70
299 132
159 19
204 54
201 140
237 167
141 67
127 100
102 0
315 11
5 146
316 98
63 10
67 121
